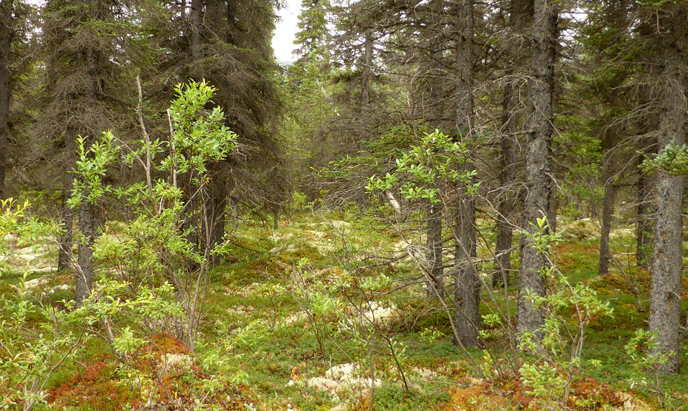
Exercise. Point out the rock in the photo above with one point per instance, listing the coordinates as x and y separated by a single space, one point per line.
27 257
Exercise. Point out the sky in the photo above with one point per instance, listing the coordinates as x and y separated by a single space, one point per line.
285 32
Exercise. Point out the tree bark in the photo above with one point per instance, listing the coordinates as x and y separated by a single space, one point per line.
195 21
366 82
607 200
367 73
643 224
84 276
435 284
434 115
607 212
505 206
64 257
667 263
538 162
5 43
217 212
467 293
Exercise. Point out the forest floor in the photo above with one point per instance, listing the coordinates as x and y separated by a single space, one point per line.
314 314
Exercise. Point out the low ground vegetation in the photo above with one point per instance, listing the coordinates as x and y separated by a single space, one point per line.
322 313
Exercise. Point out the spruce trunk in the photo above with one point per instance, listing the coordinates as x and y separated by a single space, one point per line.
84 276
538 159
5 40
467 294
435 284
643 223
607 212
667 262
64 256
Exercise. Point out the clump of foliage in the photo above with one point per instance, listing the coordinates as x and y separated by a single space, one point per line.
558 346
426 170
169 213
673 159
35 340
160 276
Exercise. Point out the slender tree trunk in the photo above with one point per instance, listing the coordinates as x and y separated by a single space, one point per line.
435 283
667 264
467 298
367 73
521 14
467 295
87 228
607 201
218 202
607 212
87 217
218 21
195 21
643 224
366 82
506 199
616 16
538 168
434 116
5 41
64 257
84 276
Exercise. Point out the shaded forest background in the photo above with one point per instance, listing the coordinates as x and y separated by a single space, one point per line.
488 125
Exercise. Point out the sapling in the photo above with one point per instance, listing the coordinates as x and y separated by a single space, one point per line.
157 242
424 174
559 347
34 340
645 359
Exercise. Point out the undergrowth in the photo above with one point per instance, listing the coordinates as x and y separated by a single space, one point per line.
288 306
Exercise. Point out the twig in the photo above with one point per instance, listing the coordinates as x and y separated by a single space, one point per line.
173 152
632 284
146 137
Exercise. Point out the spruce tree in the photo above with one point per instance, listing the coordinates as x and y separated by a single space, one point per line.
83 45
228 43
14 18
